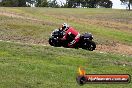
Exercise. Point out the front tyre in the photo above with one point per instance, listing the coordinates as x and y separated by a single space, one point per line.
89 45
92 46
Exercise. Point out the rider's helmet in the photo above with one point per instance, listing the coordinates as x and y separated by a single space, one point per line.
65 26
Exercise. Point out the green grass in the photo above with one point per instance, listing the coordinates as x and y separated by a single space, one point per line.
39 67
115 25
36 66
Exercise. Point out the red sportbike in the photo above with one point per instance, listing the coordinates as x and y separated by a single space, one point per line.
85 41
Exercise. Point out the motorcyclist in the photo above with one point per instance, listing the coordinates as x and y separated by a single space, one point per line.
70 31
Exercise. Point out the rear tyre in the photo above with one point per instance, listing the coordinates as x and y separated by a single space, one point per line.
54 42
51 42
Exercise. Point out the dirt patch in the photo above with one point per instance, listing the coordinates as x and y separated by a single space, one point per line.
26 17
24 39
116 48
10 14
96 21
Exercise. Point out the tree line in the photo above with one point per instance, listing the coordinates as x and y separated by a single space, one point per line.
13 3
128 3
89 3
54 3
68 4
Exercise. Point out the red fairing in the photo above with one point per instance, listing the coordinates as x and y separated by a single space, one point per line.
71 31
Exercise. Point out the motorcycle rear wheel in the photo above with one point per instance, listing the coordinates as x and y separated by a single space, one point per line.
54 42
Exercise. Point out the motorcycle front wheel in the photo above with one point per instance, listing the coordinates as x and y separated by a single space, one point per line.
89 45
